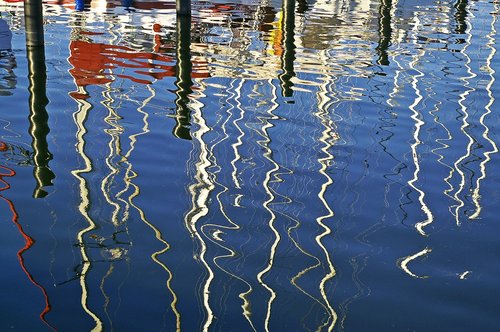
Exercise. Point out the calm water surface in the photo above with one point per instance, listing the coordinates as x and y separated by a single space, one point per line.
295 165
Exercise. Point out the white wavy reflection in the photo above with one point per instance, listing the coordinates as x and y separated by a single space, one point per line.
403 264
266 205
79 118
476 196
235 96
129 177
200 192
419 123
328 138
465 122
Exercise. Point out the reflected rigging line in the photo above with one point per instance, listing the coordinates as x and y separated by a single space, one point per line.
28 243
79 118
418 125
268 155
491 44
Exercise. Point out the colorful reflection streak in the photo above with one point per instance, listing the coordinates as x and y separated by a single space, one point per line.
6 173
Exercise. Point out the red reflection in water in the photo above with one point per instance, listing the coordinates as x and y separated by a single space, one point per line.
93 63
28 240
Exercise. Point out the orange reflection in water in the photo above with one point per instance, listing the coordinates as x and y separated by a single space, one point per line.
6 172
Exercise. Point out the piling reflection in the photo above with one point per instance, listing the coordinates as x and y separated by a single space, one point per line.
183 69
39 128
288 57
385 30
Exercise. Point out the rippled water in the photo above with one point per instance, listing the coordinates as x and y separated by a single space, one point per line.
267 166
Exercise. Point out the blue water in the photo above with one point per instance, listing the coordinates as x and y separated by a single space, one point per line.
267 166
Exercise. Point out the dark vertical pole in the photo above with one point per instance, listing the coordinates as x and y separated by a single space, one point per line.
183 82
461 19
183 7
385 32
38 119
288 57
33 20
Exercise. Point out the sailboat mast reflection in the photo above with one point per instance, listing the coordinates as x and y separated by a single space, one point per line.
486 133
200 191
417 141
460 164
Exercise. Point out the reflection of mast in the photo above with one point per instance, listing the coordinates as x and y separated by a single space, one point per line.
328 138
200 192
268 154
465 124
288 57
403 263
416 135
38 119
385 31
183 82
79 117
236 96
491 44
28 240
129 176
